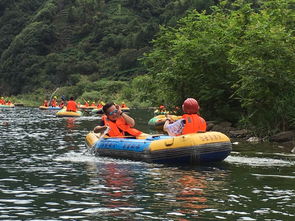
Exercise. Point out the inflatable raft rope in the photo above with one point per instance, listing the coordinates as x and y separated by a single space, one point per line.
197 148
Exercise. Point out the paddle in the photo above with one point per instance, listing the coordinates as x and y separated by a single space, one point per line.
84 100
85 109
91 149
52 95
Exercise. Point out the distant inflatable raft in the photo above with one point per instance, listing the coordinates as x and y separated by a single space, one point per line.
158 122
100 111
197 148
6 106
65 113
49 108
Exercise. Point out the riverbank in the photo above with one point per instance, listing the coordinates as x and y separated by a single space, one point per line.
284 139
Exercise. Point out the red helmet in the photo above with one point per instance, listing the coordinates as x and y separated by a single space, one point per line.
190 106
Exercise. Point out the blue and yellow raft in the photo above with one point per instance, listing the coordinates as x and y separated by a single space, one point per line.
49 108
197 148
6 105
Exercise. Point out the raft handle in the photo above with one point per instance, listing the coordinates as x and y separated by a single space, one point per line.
167 143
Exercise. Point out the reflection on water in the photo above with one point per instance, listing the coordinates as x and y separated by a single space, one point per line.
44 175
70 123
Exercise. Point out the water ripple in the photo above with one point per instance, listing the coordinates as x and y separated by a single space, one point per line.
44 175
257 161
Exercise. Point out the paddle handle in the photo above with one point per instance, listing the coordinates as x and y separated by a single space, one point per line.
52 95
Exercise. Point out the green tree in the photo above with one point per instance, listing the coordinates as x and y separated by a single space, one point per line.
237 61
264 62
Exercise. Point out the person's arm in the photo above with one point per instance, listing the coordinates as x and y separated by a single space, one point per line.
129 120
167 122
175 128
100 128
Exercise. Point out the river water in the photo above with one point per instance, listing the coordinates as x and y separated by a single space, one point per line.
44 175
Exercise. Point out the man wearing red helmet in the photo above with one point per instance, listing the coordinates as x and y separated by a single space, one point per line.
191 122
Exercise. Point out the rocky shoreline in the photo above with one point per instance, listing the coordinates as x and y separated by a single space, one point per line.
285 139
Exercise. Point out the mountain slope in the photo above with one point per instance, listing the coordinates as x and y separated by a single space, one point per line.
52 42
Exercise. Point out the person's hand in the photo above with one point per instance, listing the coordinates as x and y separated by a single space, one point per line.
119 109
169 118
99 129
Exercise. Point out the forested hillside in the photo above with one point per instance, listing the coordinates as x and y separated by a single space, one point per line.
50 43
235 57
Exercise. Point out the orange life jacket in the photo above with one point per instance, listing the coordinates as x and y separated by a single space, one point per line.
2 101
120 127
53 103
99 106
45 104
72 106
193 124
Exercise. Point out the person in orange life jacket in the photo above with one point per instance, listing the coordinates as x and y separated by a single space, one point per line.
71 105
120 123
61 104
191 122
45 103
100 105
123 105
2 101
53 102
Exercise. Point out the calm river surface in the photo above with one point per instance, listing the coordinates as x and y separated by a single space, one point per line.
44 175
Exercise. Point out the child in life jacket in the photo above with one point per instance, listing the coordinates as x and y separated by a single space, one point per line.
191 122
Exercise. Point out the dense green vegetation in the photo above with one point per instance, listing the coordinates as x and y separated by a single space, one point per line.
53 43
236 57
238 61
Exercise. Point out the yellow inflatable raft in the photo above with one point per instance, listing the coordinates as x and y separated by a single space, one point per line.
6 105
49 108
65 113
